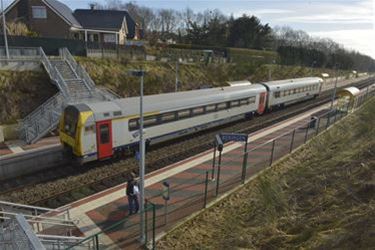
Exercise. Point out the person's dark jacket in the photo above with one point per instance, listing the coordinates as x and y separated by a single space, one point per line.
130 188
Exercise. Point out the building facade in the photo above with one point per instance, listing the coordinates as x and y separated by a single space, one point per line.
51 18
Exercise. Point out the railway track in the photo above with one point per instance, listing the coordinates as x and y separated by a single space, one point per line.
54 188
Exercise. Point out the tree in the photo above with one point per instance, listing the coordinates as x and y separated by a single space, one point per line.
248 32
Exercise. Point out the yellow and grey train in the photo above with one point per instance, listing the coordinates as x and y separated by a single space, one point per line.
96 131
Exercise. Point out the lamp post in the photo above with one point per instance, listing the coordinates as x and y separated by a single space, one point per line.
140 73
334 90
4 31
312 67
177 80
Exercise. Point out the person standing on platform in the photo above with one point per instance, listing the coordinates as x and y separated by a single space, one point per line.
132 196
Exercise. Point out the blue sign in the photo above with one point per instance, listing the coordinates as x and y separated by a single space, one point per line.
227 137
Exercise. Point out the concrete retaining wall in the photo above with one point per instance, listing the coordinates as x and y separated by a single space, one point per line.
9 132
19 65
31 161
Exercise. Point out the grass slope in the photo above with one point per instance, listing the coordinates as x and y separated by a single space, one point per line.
21 92
160 76
321 197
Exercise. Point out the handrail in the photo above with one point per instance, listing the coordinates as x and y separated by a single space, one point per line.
54 74
34 218
27 206
81 72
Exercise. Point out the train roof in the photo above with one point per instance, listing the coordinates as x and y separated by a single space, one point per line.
175 101
289 83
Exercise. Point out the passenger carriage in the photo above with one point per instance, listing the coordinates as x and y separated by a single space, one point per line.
99 130
286 92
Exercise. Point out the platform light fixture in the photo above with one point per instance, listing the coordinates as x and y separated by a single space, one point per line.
141 73
335 89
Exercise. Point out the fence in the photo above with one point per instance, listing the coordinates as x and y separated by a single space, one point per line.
126 231
191 190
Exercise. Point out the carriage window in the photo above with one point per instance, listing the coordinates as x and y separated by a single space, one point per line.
117 113
133 124
294 91
150 121
198 111
168 117
106 114
252 99
211 108
277 94
222 106
244 102
234 104
183 113
104 134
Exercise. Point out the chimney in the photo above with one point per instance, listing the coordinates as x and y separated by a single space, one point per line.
92 6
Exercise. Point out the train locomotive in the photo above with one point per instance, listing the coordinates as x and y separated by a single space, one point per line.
97 131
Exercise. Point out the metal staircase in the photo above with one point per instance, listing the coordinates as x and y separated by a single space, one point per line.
74 85
31 227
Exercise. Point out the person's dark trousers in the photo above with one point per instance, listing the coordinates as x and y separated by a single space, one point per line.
136 204
133 204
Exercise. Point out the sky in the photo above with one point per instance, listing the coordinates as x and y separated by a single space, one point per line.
349 22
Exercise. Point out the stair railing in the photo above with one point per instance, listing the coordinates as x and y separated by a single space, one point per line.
81 72
52 104
53 73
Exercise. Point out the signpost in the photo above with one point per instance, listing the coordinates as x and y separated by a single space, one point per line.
220 140
166 198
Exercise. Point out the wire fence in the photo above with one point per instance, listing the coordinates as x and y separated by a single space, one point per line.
192 190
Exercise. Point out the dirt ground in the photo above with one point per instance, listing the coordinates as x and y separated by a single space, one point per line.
321 197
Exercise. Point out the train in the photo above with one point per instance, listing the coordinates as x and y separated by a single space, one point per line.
102 130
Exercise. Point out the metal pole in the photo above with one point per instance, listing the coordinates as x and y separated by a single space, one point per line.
218 174
317 126
334 120
213 165
146 220
273 149
307 131
205 190
177 68
165 211
328 119
153 225
96 242
244 164
142 161
5 31
292 142
334 91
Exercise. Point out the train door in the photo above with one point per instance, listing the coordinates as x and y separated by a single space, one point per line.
104 139
262 102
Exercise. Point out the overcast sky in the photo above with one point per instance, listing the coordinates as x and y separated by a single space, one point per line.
350 22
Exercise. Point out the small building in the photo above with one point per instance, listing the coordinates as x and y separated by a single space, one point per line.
51 18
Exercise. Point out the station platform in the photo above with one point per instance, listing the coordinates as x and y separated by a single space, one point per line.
14 147
187 180
19 146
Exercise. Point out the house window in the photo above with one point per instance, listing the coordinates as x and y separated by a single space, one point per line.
109 38
39 12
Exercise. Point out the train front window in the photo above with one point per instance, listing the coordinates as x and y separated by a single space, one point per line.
71 116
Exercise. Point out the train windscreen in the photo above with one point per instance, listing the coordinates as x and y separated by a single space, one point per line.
71 116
